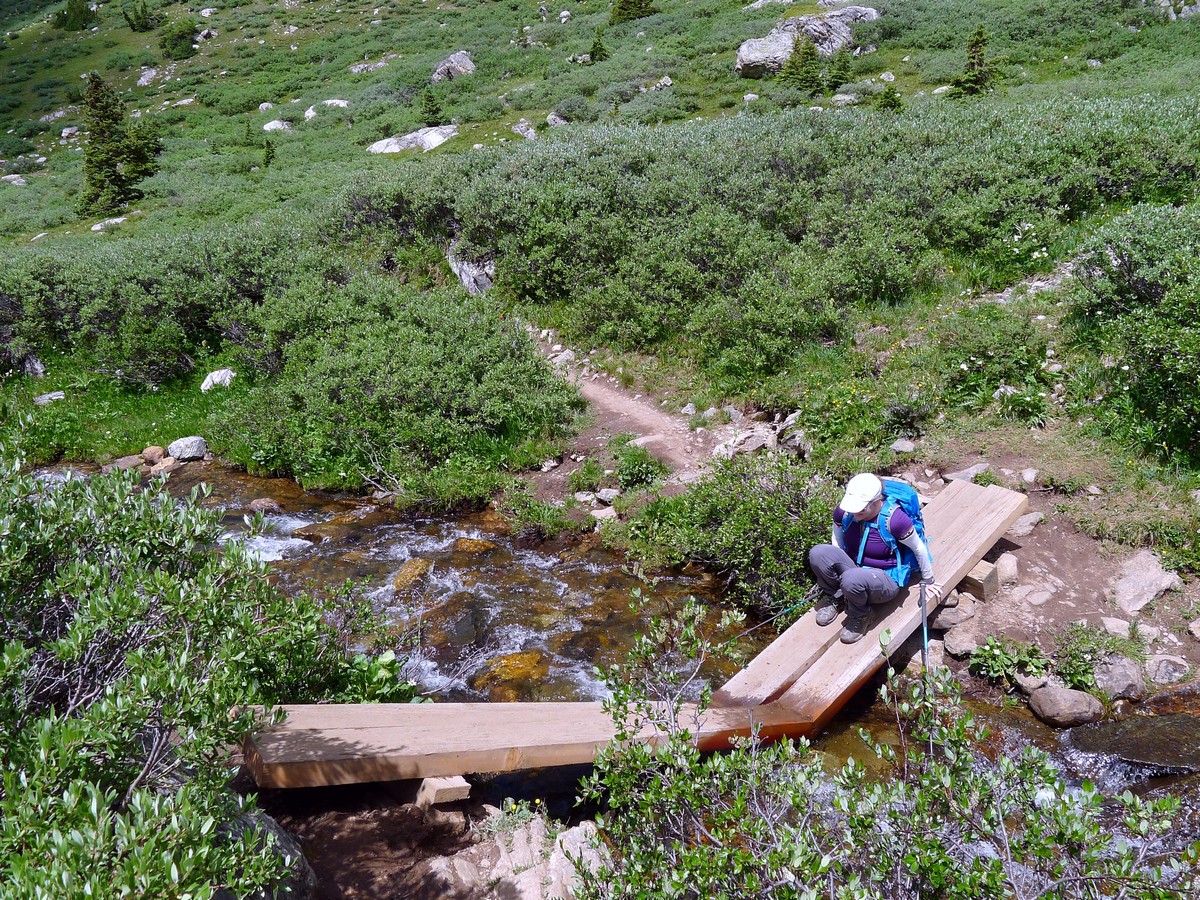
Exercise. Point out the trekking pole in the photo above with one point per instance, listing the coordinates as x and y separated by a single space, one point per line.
924 632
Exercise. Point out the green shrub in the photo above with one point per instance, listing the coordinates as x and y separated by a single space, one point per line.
753 520
1079 649
765 821
636 466
1137 301
129 645
374 380
177 39
1001 659
588 477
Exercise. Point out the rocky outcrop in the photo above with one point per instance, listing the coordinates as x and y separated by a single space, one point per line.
760 57
522 864
424 139
1065 708
1143 580
525 129
278 125
453 66
476 277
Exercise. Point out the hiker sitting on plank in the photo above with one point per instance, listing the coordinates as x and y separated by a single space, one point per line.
878 540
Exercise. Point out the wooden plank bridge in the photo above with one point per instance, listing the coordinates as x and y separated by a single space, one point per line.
793 688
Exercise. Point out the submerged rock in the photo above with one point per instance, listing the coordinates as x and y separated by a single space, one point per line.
1164 744
411 574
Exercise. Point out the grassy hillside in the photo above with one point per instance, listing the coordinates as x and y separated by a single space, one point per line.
742 256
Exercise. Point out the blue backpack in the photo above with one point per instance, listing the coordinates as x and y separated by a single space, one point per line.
904 496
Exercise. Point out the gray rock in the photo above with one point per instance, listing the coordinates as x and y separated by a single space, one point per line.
1065 708
760 57
147 78
1027 684
219 378
525 129
453 66
844 99
904 445
43 399
188 448
554 120
585 497
1114 626
299 882
1006 569
970 473
576 847
689 410
1193 629
961 641
33 367
1166 669
794 440
945 617
476 277
1120 678
735 415
424 139
887 77
1029 476
1143 580
1024 526
604 513
278 125
749 98
662 84
14 180
608 495
565 358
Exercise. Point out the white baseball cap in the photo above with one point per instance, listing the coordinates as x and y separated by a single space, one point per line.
861 490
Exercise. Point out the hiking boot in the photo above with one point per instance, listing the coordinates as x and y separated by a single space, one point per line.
827 609
855 628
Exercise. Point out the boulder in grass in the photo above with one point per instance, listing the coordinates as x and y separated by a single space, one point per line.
219 378
1064 708
188 448
456 65
424 139
43 399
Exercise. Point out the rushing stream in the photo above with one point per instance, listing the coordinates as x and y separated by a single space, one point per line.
496 620
500 621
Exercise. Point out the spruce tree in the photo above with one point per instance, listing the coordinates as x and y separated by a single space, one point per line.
431 110
839 71
599 52
628 10
116 157
889 99
138 15
977 75
803 68
75 16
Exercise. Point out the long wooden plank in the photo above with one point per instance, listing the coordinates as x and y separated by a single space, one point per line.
834 678
951 520
396 741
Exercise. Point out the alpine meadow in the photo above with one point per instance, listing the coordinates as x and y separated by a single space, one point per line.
636 282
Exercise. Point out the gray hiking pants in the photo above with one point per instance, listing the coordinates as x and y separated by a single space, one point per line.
862 586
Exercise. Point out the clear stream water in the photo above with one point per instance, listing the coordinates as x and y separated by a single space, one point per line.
501 621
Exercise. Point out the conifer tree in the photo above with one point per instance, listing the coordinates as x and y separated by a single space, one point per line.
889 99
803 68
978 74
839 70
75 16
628 10
116 157
138 15
599 52
431 110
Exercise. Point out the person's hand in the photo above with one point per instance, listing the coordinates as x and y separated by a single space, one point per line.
933 593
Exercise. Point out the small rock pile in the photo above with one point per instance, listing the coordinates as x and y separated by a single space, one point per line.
155 460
